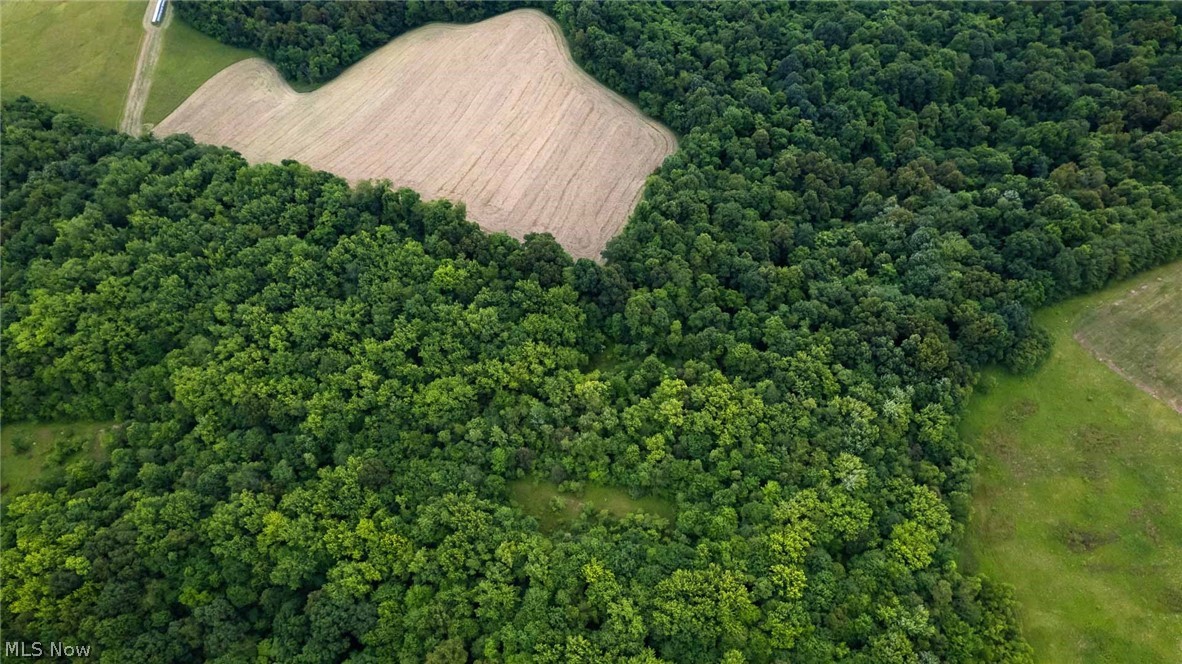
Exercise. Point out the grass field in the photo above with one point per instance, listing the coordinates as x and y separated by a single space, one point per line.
553 509
1078 501
76 55
1141 335
495 114
20 468
189 59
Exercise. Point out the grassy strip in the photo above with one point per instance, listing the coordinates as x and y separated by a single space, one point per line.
189 59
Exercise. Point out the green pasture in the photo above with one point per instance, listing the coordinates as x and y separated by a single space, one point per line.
76 55
1078 500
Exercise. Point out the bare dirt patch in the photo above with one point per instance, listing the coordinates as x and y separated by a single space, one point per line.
1022 409
496 115
1086 541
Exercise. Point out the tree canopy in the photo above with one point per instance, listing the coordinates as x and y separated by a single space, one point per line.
327 390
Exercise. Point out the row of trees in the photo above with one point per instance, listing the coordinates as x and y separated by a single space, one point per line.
311 42
326 390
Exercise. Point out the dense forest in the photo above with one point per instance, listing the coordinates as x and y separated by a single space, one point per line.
324 392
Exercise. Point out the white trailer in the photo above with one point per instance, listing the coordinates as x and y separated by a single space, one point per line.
158 15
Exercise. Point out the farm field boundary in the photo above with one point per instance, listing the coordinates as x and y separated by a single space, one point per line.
529 142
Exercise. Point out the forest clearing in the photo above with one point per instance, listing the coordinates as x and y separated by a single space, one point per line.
30 450
1077 493
555 509
527 140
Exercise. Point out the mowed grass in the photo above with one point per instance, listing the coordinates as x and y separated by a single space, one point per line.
189 59
1078 500
76 55
1141 333
20 468
554 509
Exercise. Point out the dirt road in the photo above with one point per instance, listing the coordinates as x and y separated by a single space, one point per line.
132 121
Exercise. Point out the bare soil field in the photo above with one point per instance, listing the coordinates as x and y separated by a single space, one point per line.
496 115
1139 336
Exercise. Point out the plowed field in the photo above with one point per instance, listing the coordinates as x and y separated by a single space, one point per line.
495 114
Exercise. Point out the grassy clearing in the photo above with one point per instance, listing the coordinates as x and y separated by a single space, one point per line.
76 55
1078 500
554 509
1141 333
26 449
188 60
